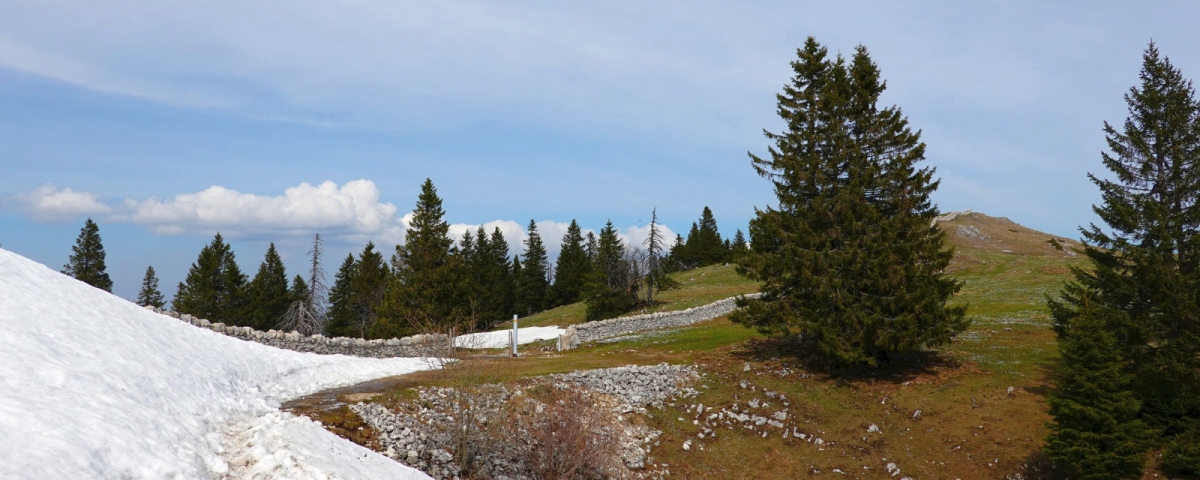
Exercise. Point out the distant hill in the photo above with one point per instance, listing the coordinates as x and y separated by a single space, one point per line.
974 235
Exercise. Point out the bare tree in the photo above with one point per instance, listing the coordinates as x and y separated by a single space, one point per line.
307 315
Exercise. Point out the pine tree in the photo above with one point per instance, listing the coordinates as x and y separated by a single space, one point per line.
268 292
1097 434
848 257
214 288
1148 256
571 269
533 273
87 258
149 296
428 276
607 293
341 301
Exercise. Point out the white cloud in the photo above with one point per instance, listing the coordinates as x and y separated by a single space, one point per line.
48 203
635 236
353 209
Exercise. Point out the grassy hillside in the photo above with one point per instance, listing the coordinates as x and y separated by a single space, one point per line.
699 286
982 399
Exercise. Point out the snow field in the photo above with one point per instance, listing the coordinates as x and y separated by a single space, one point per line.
502 338
93 386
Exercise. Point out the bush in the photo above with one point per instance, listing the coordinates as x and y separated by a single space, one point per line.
1183 453
567 435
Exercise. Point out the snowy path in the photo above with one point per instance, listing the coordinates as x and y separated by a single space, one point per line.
93 386
500 339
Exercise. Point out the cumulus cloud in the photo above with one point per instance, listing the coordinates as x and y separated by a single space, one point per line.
351 209
352 212
48 203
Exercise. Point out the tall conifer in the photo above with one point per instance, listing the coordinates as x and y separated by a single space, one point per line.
534 284
424 294
86 262
607 294
848 257
268 292
571 268
341 301
214 288
1145 264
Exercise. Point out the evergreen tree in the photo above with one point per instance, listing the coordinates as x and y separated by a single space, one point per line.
533 274
87 258
848 258
370 281
214 288
738 246
341 301
590 247
1145 265
149 296
268 292
571 269
1097 434
607 294
496 296
299 291
423 295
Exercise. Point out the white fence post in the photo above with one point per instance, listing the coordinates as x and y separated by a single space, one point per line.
514 335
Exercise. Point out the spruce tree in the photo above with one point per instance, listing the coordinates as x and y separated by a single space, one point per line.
738 246
424 294
214 288
149 296
341 301
267 293
1097 434
86 262
533 273
607 294
848 257
299 291
496 292
370 281
571 269
1144 264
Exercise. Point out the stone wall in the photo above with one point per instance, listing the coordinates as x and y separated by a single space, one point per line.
616 327
414 346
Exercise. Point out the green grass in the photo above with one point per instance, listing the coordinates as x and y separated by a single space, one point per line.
699 286
971 425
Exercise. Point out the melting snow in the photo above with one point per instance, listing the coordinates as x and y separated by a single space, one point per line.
502 338
93 386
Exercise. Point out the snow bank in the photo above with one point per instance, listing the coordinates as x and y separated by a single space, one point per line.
93 386
500 339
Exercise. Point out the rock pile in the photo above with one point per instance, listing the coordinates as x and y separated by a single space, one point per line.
421 433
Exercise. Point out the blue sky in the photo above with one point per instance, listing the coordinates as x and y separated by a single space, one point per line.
269 121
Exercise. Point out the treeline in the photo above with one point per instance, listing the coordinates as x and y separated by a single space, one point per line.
431 282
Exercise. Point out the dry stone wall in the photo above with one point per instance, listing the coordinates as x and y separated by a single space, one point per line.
414 346
616 327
